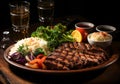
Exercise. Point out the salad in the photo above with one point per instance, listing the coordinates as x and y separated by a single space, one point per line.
54 35
32 51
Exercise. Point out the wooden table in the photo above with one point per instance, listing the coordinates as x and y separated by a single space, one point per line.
12 75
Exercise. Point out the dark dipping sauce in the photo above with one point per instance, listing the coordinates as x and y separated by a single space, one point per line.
105 28
83 26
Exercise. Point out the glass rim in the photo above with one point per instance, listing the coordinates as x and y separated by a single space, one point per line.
19 3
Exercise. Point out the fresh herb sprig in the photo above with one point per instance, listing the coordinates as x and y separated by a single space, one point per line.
23 50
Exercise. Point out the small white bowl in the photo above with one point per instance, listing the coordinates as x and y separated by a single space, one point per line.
106 28
100 43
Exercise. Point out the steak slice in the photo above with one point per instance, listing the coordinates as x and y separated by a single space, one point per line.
75 55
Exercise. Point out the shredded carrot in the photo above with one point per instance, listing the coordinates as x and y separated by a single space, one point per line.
43 59
35 65
34 61
38 61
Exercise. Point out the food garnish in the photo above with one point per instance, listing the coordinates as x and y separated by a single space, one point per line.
77 36
37 62
54 36
28 49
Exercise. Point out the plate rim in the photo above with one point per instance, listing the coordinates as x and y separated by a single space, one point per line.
111 60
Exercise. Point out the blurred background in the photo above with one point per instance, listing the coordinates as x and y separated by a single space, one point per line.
98 11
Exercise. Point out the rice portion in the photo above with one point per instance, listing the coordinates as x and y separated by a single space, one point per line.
32 42
100 36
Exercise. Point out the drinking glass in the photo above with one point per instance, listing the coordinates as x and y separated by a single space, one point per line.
46 11
19 11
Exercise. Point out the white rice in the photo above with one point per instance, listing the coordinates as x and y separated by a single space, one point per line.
32 42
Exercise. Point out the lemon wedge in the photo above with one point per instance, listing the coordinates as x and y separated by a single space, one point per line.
77 36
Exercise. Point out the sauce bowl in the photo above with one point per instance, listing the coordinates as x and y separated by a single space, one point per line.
106 28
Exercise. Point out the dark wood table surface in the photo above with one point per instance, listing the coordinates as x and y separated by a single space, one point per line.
13 75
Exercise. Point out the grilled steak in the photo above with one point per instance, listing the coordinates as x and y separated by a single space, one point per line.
75 55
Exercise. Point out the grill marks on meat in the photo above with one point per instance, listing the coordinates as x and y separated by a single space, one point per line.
75 56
